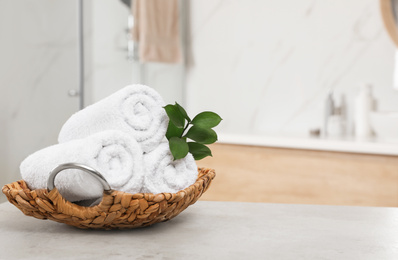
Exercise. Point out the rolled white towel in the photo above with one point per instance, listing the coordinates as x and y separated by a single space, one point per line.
135 109
163 174
114 154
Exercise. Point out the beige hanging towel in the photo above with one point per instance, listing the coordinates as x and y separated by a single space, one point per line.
156 29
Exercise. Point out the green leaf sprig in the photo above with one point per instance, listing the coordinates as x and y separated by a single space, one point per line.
199 130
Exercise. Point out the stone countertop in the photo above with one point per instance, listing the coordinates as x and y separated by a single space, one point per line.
214 230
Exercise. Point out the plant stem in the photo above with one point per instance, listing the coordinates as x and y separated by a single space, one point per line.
183 131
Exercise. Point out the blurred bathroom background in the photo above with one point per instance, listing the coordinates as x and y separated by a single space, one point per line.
267 67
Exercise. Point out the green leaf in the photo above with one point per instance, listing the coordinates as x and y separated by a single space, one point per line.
207 119
175 115
202 135
183 112
173 131
199 151
178 147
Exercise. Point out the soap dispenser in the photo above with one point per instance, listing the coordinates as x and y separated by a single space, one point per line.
336 126
364 103
329 110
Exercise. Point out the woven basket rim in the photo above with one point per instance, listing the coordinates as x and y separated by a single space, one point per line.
111 213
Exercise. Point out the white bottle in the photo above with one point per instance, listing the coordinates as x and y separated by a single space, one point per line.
364 103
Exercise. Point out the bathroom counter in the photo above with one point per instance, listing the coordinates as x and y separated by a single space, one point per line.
335 144
214 230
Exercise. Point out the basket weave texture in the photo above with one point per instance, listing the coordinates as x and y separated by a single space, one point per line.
116 210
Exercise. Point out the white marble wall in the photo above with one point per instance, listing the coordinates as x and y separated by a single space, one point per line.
38 52
266 66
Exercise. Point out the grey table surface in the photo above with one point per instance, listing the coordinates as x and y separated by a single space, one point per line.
214 230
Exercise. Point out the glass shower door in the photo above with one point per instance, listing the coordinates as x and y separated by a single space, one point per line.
38 67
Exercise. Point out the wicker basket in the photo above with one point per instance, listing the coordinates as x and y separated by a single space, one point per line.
116 210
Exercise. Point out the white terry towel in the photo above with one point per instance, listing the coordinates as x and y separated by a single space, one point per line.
165 175
112 153
135 109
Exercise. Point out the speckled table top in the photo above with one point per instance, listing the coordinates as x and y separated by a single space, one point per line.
214 230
